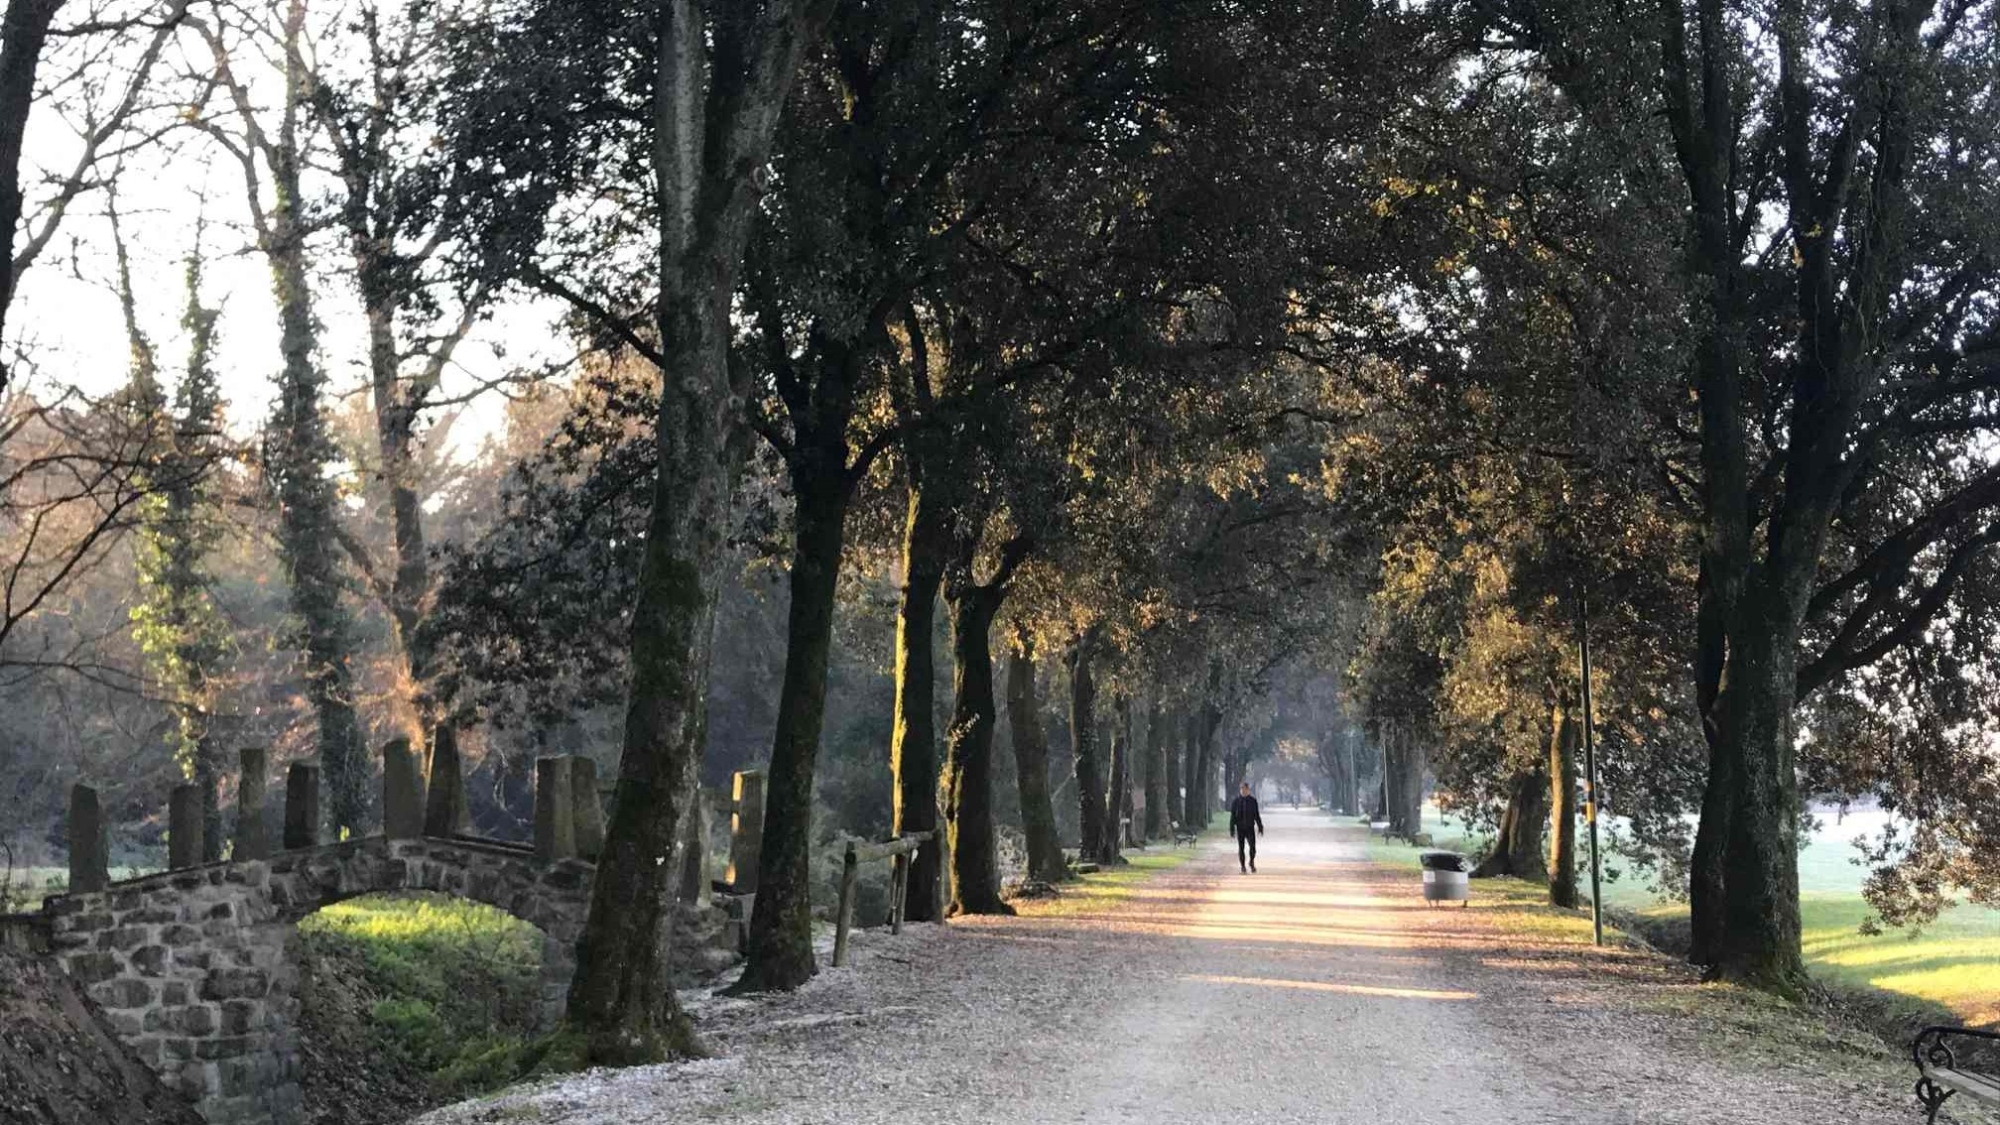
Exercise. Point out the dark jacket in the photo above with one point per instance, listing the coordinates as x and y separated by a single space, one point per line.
1242 814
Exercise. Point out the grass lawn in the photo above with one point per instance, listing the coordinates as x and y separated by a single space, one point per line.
1101 888
1952 964
25 887
446 987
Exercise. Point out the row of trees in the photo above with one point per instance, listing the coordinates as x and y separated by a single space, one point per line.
1277 377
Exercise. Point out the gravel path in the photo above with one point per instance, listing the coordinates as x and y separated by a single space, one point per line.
1320 990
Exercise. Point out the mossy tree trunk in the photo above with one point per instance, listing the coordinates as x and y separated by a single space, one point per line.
711 130
1119 793
1518 849
1159 769
967 782
913 739
1083 748
1031 763
779 953
1563 739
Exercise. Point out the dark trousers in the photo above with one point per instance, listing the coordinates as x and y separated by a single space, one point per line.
1249 840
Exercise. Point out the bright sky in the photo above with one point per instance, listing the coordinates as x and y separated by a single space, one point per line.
66 320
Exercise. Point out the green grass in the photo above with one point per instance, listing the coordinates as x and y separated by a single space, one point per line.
447 986
24 888
1102 888
1516 908
1951 966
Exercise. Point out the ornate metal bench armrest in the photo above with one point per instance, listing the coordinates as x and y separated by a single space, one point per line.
1938 1053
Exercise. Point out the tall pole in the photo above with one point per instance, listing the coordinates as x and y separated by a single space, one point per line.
1590 778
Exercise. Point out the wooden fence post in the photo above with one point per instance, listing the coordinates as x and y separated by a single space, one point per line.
850 867
899 885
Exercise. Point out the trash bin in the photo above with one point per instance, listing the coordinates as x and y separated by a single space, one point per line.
1446 878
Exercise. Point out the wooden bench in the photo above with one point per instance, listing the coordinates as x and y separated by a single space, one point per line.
1185 834
1942 1072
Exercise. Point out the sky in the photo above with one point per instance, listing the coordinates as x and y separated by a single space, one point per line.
67 328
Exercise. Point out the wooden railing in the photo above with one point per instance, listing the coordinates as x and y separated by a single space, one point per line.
899 850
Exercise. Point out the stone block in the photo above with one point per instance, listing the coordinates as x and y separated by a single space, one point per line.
178 1047
126 937
90 968
148 916
589 807
89 842
301 806
555 810
198 1019
150 960
238 1076
746 831
122 992
446 812
147 1047
222 1047
174 992
402 792
81 923
230 984
253 833
180 934
184 828
240 1017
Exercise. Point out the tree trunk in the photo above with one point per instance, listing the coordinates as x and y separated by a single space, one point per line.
1518 850
1392 778
1563 738
24 30
913 739
1203 792
1159 770
967 783
1190 769
1031 763
1083 750
300 449
1760 926
1118 796
395 438
1403 779
621 999
1346 794
779 947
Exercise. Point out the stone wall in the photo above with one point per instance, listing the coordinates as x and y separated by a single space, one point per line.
195 968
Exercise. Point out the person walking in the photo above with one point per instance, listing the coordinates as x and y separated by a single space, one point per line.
1243 818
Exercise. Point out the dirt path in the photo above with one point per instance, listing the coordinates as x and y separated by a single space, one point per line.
1319 990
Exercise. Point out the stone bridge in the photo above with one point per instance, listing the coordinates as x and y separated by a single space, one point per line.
196 968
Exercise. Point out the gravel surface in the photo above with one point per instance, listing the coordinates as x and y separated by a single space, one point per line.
1320 990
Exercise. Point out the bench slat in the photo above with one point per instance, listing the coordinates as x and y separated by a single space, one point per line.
1976 1086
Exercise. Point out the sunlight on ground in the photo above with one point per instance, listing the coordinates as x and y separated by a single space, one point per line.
1331 986
1103 888
1954 962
